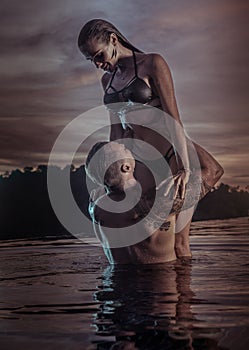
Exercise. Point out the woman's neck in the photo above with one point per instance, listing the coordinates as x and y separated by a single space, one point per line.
124 57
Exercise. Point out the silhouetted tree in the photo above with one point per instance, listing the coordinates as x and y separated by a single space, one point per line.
25 209
224 202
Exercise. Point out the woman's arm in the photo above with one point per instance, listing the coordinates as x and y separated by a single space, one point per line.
163 85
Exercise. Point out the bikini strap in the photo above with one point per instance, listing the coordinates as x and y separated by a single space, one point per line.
113 75
110 84
135 63
169 154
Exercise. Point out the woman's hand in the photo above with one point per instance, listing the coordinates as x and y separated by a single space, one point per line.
178 181
181 183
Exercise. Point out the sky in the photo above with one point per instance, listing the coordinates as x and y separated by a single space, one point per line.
46 82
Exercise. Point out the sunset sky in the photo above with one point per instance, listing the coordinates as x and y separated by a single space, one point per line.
46 83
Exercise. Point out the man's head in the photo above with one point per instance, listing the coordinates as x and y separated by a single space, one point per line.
110 164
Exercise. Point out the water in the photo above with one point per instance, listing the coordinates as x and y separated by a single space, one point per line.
64 295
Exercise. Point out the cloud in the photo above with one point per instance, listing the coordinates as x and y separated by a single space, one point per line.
45 81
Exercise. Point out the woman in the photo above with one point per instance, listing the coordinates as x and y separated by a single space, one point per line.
134 76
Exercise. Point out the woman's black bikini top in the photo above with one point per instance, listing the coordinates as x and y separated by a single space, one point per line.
136 90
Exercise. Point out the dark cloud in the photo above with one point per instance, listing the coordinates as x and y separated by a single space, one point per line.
45 81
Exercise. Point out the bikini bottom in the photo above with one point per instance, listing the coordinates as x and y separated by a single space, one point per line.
159 167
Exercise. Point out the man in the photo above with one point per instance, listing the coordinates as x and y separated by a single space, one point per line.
134 226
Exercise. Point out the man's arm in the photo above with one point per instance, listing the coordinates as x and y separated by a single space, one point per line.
166 205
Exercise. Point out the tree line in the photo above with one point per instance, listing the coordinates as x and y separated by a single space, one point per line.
25 209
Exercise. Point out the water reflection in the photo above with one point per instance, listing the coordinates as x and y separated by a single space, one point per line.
148 307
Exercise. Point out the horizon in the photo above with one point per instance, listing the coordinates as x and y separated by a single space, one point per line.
46 82
33 169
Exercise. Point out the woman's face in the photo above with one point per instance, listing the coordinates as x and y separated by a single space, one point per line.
102 54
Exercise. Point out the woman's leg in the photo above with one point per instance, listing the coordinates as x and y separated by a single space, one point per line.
211 172
183 222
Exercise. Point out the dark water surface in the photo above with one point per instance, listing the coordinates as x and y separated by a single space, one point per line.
64 295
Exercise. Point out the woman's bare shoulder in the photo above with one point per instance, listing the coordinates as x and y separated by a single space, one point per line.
157 66
153 61
156 59
151 57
